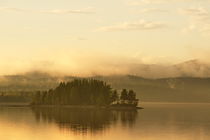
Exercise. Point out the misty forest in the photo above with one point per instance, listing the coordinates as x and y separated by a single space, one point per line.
23 88
85 92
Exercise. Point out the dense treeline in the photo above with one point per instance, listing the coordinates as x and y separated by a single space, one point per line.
15 97
83 92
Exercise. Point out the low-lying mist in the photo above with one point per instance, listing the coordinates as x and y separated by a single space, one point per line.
83 65
192 68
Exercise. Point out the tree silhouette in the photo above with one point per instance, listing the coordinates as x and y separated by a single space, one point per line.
77 92
131 96
83 92
114 96
124 96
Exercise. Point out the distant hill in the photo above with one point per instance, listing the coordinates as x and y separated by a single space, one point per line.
182 89
192 68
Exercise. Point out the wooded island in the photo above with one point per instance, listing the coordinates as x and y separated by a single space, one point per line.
86 92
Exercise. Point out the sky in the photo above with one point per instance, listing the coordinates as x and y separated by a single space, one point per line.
101 36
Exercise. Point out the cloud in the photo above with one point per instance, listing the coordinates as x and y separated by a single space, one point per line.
154 10
62 11
188 29
132 26
196 12
143 2
88 10
81 63
80 38
10 9
199 19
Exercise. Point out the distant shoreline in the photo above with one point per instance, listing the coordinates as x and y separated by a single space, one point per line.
68 106
27 104
88 107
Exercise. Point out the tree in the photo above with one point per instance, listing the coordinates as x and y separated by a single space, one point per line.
114 96
124 96
131 96
77 92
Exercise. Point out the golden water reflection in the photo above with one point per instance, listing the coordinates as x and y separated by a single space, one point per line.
84 120
155 122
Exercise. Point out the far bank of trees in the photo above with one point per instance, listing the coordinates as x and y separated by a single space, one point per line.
85 92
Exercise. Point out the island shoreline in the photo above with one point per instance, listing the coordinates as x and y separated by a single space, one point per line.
72 106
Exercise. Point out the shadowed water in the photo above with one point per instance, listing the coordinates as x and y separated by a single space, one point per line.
158 121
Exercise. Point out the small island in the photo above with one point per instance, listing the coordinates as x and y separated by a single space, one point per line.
86 93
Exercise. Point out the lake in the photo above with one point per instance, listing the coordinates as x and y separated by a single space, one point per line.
158 121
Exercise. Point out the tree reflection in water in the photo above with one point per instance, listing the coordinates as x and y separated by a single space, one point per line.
84 120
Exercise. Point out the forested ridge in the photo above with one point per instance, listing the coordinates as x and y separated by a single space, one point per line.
180 89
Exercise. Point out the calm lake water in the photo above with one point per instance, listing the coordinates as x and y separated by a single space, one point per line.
158 121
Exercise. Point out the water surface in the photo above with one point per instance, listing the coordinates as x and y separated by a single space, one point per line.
158 121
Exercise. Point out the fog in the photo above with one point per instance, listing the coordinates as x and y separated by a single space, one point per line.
102 65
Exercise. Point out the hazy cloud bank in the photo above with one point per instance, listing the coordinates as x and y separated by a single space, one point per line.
88 10
143 2
199 19
132 26
101 65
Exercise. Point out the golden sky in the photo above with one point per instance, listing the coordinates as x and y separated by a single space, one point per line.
77 36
